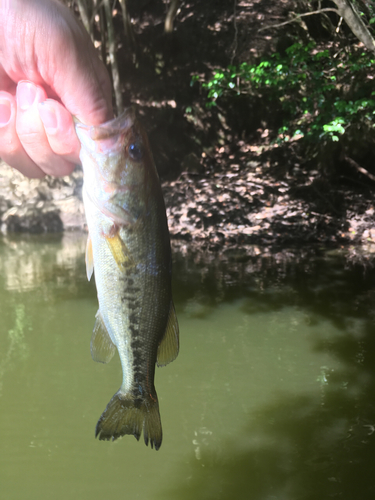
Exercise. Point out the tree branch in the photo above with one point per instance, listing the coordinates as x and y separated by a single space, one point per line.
128 30
171 14
346 10
85 16
112 57
298 16
360 169
355 23
235 31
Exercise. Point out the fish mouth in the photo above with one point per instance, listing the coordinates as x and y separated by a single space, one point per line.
110 128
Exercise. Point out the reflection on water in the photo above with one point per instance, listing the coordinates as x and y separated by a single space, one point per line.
16 341
271 397
28 262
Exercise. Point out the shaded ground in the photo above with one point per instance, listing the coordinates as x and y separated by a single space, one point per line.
225 184
238 206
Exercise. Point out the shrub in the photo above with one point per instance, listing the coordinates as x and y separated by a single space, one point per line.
321 93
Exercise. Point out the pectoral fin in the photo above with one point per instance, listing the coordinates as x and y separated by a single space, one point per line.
120 252
89 259
169 346
102 347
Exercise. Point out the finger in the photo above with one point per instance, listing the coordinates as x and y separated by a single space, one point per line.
85 87
60 131
11 149
6 83
31 132
67 67
86 92
79 79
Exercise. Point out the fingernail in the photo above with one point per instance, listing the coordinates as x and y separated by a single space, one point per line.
5 112
48 116
26 93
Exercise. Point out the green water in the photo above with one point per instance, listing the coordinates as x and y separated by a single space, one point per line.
271 398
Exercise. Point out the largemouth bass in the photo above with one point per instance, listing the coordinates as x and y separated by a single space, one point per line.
129 249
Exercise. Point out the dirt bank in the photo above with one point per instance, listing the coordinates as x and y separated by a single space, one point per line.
215 211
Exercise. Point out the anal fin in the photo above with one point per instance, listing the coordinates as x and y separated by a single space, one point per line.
170 344
102 347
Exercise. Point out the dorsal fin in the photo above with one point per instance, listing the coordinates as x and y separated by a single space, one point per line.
170 344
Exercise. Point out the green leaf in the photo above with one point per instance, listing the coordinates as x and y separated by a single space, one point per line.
306 86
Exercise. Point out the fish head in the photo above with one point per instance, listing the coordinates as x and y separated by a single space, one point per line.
118 166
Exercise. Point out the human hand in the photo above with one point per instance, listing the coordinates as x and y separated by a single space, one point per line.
49 71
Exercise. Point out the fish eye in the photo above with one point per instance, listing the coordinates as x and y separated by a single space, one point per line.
135 151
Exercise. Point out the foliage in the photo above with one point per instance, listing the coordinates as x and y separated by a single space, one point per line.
321 93
365 9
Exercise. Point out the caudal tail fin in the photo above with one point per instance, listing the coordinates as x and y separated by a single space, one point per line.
126 414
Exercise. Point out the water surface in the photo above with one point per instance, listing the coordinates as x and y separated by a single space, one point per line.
271 397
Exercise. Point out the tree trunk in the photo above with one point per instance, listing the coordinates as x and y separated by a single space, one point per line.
348 12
